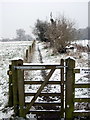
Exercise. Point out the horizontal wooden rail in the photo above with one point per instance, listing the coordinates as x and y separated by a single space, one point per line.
81 113
55 114
43 94
76 70
82 85
38 67
81 99
45 112
44 104
40 82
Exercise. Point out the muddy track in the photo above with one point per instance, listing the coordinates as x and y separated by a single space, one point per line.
43 72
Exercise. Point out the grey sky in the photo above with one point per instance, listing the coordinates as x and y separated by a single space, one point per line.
15 15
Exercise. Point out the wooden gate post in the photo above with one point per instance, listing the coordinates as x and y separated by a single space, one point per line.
20 79
15 86
10 101
69 92
62 88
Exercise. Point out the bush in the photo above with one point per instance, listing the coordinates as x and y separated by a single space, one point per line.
59 33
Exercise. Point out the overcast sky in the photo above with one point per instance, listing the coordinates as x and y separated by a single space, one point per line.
23 14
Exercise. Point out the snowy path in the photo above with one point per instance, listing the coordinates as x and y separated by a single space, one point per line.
42 55
46 56
38 57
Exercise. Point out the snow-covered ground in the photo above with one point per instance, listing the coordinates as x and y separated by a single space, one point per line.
82 42
8 51
12 50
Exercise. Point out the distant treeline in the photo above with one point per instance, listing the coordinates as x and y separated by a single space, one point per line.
20 36
16 39
83 33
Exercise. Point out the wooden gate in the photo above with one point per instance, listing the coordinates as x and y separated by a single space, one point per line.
64 108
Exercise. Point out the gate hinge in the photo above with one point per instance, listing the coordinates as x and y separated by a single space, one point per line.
9 72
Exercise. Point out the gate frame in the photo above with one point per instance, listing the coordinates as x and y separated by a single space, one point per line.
17 75
17 96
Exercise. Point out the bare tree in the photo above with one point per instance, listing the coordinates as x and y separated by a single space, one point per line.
60 33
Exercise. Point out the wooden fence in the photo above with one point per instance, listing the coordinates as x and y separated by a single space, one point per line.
56 110
29 52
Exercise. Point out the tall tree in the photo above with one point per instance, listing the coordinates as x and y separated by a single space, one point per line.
40 30
61 33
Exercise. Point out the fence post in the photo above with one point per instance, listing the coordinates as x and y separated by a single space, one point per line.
26 55
69 93
10 101
29 49
30 54
20 79
33 45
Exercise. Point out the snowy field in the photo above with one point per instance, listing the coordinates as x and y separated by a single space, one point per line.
12 50
8 51
82 42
